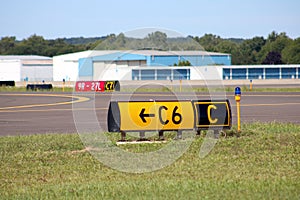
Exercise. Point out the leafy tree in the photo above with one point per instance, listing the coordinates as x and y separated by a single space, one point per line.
256 43
275 43
157 40
7 45
34 45
107 44
183 43
183 63
291 54
120 41
209 41
55 47
37 45
273 58
232 48
249 49
272 36
82 40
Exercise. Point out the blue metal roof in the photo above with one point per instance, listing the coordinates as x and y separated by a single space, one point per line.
119 56
196 58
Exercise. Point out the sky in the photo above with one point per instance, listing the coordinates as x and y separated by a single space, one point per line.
95 18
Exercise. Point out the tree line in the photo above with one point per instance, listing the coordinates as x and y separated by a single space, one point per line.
277 48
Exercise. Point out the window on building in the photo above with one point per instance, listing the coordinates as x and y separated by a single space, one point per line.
255 73
272 73
226 74
148 74
161 74
288 73
181 74
164 74
135 74
239 73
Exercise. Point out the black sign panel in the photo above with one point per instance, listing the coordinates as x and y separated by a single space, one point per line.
212 114
112 86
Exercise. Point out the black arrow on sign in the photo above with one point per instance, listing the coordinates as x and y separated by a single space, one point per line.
143 115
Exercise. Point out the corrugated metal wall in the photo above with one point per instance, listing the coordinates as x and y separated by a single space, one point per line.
194 60
37 73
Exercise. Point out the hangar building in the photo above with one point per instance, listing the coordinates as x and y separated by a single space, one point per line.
149 65
66 66
26 68
88 65
159 65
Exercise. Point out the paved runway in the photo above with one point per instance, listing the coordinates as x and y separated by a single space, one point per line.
31 113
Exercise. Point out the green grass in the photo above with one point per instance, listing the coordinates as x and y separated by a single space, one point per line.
262 163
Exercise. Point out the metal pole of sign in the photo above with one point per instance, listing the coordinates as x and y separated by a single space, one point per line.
238 99
180 85
161 135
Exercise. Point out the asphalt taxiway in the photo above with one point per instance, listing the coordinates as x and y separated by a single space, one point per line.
39 113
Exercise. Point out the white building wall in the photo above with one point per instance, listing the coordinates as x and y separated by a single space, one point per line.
63 69
98 69
66 66
206 73
123 73
10 70
37 73
103 71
